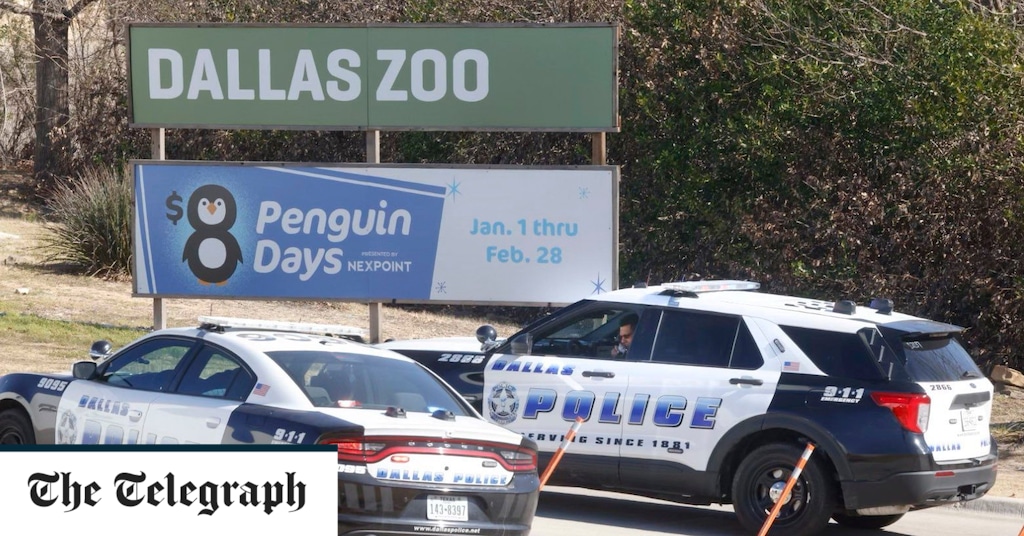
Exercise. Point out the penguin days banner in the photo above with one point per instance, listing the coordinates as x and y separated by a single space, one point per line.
469 234
245 231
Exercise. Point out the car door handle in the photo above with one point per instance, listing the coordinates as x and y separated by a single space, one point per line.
746 381
134 415
213 422
597 374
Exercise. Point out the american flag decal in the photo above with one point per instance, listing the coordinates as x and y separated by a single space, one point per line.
260 389
790 366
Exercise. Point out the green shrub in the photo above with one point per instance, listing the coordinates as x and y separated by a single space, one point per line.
92 217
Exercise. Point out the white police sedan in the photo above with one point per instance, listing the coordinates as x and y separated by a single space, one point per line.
413 456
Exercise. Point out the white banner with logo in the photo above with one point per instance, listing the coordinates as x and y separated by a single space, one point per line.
446 234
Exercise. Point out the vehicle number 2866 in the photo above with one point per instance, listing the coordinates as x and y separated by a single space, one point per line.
475 359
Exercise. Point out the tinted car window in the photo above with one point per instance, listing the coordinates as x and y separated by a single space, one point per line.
148 366
745 354
697 339
888 360
215 374
836 354
588 333
643 337
939 359
334 379
538 322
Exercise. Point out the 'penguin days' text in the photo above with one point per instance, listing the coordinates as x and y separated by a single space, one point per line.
335 226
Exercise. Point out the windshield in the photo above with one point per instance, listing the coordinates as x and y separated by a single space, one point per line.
506 346
341 380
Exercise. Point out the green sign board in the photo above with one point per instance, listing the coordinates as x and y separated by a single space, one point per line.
388 77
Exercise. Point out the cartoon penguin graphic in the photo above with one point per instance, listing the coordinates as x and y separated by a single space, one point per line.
212 251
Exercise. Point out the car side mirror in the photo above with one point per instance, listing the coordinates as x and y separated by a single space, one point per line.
486 333
100 350
522 344
487 336
84 370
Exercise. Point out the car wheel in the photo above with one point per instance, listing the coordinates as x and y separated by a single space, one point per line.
760 479
15 428
866 522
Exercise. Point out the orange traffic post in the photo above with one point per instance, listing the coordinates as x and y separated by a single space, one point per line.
1021 533
561 450
789 487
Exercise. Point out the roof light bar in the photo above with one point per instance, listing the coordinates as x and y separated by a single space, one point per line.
711 286
296 327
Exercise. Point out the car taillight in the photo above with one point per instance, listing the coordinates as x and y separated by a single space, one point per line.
521 459
355 449
910 409
373 449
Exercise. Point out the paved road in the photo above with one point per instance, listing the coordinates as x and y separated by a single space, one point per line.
576 512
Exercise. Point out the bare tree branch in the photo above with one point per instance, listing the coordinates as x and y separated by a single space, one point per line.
66 13
899 26
18 9
74 10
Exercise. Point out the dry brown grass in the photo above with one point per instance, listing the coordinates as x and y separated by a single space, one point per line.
1008 429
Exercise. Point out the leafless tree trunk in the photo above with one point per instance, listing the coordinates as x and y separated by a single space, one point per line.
52 112
51 22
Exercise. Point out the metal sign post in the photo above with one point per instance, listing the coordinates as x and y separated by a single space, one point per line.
376 308
158 151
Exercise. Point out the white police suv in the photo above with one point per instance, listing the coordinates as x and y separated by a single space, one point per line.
723 388
413 456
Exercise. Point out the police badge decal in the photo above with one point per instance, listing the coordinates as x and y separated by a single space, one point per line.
67 429
503 403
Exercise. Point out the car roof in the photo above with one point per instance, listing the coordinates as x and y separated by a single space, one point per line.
720 296
256 339
242 335
437 344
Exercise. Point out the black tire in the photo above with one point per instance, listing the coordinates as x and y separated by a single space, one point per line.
866 522
16 428
766 469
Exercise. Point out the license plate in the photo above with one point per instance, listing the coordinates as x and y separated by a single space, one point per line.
969 420
447 508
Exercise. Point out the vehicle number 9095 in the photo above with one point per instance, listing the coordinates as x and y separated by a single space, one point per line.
475 359
52 384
